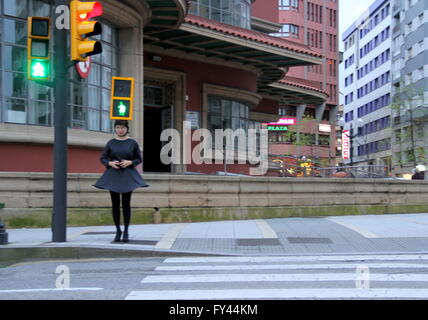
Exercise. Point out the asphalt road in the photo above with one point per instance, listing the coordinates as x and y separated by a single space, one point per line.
366 276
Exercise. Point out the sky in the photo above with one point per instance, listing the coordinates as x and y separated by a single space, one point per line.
349 11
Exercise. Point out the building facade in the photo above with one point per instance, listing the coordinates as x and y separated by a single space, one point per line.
409 84
197 65
366 86
315 24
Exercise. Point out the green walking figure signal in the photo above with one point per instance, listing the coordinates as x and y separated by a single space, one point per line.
122 96
38 48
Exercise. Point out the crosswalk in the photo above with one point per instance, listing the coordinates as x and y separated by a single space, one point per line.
286 277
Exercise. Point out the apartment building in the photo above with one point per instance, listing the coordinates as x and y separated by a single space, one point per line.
409 84
366 86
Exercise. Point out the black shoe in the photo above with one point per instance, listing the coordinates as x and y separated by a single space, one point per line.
125 236
118 235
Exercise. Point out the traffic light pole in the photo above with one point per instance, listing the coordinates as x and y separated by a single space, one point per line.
59 213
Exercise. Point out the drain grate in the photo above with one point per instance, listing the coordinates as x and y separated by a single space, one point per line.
300 240
258 242
143 242
138 242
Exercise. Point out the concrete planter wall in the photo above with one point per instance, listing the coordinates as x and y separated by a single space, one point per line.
221 197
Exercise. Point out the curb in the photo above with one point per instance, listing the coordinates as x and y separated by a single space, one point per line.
10 256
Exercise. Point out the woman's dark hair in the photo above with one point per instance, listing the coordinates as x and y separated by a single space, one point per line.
122 123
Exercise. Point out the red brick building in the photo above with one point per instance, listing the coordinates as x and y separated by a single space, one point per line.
211 63
315 24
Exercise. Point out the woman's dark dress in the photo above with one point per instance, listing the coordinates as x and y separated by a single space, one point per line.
124 179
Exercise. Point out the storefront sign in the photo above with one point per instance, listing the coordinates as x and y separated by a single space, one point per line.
345 144
283 122
324 127
277 128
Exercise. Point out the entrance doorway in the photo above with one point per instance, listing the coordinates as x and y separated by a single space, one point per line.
156 119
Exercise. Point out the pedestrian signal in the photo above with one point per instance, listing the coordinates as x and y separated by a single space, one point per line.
122 96
38 44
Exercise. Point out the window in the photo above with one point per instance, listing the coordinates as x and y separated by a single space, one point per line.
288 30
28 102
289 5
227 114
233 12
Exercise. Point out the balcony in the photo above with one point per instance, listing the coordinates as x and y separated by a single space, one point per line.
419 113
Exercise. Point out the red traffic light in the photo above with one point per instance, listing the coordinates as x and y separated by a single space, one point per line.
91 10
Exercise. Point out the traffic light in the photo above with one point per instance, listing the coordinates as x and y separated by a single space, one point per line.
122 95
82 28
38 55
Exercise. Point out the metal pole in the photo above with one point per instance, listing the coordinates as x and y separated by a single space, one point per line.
59 213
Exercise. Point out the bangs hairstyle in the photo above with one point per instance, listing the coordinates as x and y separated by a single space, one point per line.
122 123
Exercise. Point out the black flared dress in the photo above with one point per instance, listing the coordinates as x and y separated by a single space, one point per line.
125 179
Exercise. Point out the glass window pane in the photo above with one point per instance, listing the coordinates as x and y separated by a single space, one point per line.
93 120
15 85
235 109
15 31
243 111
214 105
15 58
107 34
78 117
106 122
106 76
235 123
40 113
40 8
95 75
94 97
214 122
16 8
40 92
107 55
106 96
16 111
78 94
226 108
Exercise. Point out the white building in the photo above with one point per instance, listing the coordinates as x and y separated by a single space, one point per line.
365 83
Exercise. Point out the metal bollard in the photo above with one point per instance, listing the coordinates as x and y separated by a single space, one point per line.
3 234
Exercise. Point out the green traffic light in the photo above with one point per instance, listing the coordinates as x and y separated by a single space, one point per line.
122 109
39 69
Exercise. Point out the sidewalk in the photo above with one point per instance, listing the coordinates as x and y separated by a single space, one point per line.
399 233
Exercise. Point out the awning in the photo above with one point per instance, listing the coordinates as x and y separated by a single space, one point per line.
296 91
273 56
165 14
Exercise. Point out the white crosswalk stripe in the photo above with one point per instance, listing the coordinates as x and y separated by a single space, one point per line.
310 277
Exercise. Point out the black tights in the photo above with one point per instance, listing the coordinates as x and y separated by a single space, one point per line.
126 206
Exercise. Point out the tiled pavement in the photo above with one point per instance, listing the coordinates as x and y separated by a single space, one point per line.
399 233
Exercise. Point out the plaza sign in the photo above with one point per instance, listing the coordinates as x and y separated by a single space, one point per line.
277 128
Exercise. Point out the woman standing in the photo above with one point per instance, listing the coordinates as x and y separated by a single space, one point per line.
120 157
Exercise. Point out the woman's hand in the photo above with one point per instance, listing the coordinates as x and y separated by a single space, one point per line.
114 164
125 163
